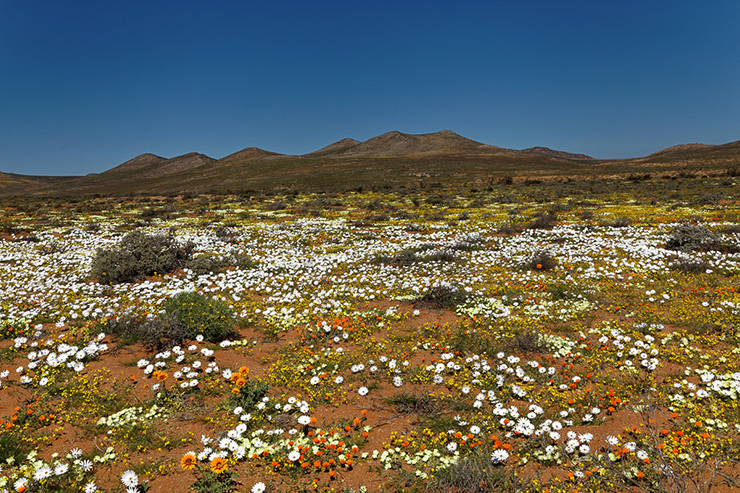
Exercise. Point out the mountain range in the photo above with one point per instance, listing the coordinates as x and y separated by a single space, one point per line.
391 159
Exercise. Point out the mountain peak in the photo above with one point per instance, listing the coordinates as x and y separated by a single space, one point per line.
248 154
397 143
337 146
141 160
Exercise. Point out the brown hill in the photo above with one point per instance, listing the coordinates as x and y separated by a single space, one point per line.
340 145
399 144
247 155
392 159
14 184
681 147
565 155
140 161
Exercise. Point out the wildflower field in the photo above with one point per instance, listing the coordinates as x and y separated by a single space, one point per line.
577 336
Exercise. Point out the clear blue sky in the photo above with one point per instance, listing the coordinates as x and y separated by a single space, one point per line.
87 85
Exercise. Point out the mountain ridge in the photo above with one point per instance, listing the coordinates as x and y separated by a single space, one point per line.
393 158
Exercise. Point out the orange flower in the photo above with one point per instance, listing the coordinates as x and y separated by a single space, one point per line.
188 461
240 382
218 465
236 391
243 371
162 376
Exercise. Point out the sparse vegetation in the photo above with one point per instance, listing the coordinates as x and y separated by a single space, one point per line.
318 353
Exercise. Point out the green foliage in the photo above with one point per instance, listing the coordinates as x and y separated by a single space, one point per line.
475 474
199 314
139 255
210 482
208 263
12 447
249 395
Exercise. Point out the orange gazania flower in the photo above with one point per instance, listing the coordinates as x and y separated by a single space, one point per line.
243 371
218 465
162 376
240 382
188 461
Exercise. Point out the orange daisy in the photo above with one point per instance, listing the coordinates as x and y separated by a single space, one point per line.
188 461
218 465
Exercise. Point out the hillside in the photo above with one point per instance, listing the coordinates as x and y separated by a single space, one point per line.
393 159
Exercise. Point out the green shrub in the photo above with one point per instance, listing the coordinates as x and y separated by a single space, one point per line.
249 395
243 261
444 296
157 334
688 237
206 264
200 314
139 255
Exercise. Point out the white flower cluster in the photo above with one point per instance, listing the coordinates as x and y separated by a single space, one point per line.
132 416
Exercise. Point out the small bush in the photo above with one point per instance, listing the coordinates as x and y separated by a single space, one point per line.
542 260
509 228
443 296
206 264
474 473
249 395
223 233
139 255
711 198
200 314
157 334
542 221
243 261
526 341
275 206
621 222
440 256
689 237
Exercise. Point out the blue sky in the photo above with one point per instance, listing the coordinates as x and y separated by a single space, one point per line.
85 86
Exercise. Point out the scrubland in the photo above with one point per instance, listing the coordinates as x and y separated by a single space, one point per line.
577 336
